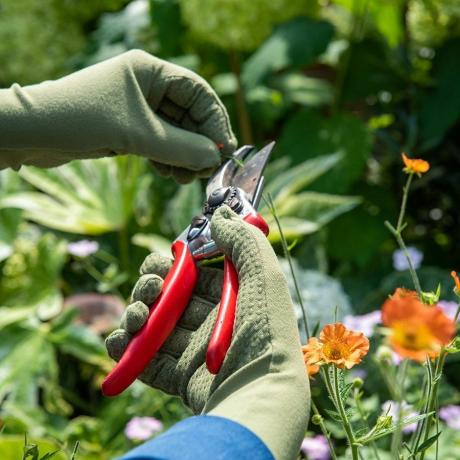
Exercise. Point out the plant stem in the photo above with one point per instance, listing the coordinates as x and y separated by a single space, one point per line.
357 398
271 206
343 415
402 211
323 429
434 396
397 233
397 436
243 115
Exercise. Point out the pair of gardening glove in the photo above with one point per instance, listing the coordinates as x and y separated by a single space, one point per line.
133 103
262 383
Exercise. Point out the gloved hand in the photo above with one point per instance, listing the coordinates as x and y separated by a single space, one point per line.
133 103
262 383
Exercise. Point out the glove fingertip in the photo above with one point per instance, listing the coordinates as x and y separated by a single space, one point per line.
147 289
116 343
156 264
135 316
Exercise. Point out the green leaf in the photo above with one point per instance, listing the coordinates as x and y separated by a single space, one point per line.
166 18
12 448
428 442
87 197
185 204
316 207
293 44
308 135
81 342
299 89
225 84
292 227
393 428
298 177
153 242
11 315
434 122
371 70
454 346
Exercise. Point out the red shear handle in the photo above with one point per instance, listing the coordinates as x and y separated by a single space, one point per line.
223 328
164 314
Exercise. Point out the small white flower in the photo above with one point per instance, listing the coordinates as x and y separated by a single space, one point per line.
82 248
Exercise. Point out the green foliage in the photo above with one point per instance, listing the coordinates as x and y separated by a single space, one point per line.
294 44
231 26
89 198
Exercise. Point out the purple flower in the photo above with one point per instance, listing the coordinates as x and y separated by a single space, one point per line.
83 248
400 262
142 428
450 415
363 323
316 448
396 409
449 308
359 373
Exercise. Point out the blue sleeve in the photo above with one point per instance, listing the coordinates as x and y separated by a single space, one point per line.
203 437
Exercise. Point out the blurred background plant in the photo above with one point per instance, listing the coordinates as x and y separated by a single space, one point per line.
343 85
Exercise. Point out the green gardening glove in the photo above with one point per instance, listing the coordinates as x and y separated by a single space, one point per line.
133 103
262 383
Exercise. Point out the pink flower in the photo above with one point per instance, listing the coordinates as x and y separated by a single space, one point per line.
142 428
363 323
450 415
316 448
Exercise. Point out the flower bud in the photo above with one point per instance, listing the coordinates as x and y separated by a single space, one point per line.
358 382
316 419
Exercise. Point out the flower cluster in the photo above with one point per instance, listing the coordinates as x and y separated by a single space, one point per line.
336 345
417 331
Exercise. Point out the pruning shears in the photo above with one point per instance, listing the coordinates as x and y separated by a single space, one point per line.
238 183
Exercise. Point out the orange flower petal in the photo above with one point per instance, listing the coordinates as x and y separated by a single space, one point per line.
418 331
415 165
456 280
342 347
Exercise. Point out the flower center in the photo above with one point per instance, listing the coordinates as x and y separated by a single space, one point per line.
413 336
334 351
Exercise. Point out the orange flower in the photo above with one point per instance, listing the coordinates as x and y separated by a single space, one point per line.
336 345
415 165
418 331
310 356
456 281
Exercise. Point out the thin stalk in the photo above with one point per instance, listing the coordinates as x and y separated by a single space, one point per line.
324 430
397 233
243 115
397 436
434 396
343 416
402 211
357 398
419 429
271 206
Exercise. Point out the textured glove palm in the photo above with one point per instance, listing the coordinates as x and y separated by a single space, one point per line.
264 359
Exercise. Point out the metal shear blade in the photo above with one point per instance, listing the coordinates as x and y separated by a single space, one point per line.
247 176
